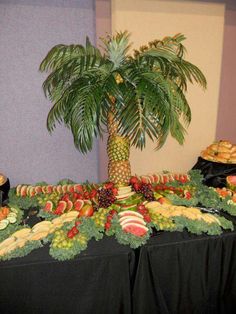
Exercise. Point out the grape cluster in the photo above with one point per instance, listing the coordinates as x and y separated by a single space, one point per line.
54 197
99 217
106 197
146 190
161 222
61 241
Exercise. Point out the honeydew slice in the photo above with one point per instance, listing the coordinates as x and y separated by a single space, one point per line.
3 224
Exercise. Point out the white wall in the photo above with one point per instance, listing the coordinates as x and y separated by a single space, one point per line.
202 24
28 30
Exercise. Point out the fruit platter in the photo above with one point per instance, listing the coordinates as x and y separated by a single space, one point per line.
70 214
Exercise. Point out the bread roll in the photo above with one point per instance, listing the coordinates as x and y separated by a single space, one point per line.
225 144
223 155
221 159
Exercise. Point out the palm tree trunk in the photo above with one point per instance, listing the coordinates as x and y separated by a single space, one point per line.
118 150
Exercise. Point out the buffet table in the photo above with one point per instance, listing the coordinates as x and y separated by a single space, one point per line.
173 273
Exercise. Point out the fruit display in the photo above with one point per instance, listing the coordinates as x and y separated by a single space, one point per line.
221 151
75 213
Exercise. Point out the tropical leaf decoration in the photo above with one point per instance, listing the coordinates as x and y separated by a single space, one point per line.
134 96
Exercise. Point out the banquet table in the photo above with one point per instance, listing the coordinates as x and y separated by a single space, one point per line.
173 273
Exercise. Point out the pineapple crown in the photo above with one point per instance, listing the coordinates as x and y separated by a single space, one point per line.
116 47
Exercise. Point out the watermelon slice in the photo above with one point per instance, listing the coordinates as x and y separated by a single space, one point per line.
48 206
78 205
61 207
70 188
156 178
128 219
38 189
59 189
44 189
130 213
69 205
134 228
49 189
78 188
64 188
231 182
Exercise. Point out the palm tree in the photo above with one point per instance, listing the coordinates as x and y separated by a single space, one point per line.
133 96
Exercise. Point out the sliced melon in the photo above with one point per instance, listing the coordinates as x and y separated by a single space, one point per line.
48 206
23 191
18 189
129 213
69 205
128 219
135 228
23 233
78 205
11 219
4 223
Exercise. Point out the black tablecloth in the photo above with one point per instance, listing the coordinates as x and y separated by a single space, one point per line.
214 173
173 273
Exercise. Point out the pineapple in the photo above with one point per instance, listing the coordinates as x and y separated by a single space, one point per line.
118 150
119 172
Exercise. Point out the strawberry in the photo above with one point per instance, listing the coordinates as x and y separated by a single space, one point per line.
147 218
187 195
115 191
136 186
86 195
109 185
70 234
133 180
74 230
109 218
77 223
112 212
142 207
107 225
93 193
65 197
77 196
58 211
